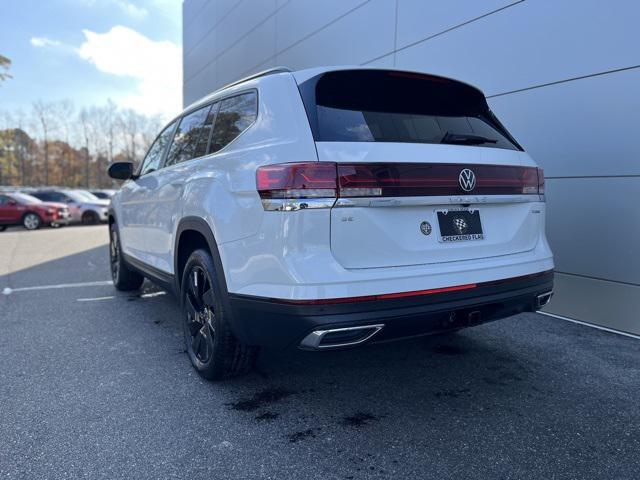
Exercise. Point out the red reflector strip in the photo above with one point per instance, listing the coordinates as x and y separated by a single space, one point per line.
413 293
426 292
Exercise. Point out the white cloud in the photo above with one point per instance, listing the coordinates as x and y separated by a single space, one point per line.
42 42
157 66
131 9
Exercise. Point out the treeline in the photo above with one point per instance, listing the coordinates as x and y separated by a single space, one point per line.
56 144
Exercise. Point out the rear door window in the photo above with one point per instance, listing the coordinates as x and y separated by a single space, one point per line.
191 137
392 106
236 114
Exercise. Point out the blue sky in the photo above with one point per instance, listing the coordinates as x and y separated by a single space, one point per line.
92 50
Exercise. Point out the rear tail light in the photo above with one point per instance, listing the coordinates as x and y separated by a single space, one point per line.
297 180
327 181
540 181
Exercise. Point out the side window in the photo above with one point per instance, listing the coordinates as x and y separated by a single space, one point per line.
236 114
44 196
186 141
154 156
4 199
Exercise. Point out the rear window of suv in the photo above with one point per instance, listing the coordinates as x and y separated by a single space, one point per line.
394 106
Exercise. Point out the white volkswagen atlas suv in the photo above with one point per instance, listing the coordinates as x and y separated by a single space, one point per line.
332 207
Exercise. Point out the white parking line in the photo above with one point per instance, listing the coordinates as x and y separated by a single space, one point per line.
9 291
95 299
586 324
151 295
111 297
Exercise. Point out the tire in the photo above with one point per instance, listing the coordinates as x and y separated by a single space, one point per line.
3 228
124 278
90 218
31 221
212 347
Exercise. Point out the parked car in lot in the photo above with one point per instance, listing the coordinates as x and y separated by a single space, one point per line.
21 209
103 194
83 208
331 207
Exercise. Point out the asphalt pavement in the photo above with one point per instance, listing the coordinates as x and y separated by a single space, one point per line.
96 384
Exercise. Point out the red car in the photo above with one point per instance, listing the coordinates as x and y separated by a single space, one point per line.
31 213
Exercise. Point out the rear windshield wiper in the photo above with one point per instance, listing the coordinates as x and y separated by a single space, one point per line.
466 139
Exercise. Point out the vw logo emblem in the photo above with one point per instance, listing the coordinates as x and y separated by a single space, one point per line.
467 180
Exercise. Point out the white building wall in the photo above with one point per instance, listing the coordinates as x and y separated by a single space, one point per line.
563 75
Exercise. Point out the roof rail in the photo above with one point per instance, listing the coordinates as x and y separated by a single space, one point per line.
204 99
269 71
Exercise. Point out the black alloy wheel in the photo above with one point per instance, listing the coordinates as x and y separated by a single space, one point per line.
200 321
114 255
124 278
213 348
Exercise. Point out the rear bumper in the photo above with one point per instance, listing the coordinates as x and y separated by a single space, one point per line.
277 323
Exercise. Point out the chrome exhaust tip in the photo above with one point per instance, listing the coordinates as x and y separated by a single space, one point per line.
543 299
339 337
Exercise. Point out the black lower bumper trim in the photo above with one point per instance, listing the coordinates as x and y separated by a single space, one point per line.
260 321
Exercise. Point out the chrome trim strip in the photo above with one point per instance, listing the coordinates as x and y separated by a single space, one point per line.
313 340
435 200
294 204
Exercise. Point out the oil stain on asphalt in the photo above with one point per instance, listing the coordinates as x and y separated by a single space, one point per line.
260 399
301 435
266 416
359 419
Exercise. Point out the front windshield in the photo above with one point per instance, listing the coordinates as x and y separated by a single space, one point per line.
75 196
87 195
24 198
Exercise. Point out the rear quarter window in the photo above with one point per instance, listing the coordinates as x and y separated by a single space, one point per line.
235 115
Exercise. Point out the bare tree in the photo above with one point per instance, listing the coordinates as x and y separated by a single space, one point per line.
63 113
85 123
149 129
43 113
129 125
22 145
71 147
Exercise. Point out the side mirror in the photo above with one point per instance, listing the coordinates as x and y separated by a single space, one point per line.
12 202
121 170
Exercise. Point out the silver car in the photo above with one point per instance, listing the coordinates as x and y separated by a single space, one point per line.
84 207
